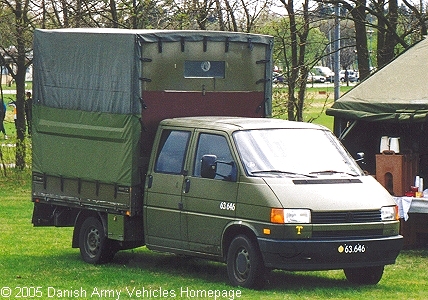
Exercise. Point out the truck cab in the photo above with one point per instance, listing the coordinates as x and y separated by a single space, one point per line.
264 194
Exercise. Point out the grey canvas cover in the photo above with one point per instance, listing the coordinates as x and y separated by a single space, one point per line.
396 93
84 70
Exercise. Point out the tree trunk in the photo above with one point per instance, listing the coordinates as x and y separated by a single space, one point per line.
359 15
113 12
387 35
20 61
303 69
294 72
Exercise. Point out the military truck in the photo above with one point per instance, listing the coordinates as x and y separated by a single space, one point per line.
163 139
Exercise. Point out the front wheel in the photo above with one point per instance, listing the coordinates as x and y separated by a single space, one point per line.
94 245
364 276
245 266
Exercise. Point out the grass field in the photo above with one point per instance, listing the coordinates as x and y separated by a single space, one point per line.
318 99
40 262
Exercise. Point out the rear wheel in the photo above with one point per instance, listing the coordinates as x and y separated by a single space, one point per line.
245 266
364 276
94 246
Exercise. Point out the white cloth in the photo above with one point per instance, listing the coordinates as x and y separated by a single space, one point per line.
404 204
408 205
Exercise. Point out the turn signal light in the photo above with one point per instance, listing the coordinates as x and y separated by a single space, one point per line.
277 215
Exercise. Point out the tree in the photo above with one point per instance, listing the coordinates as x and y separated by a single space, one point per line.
359 14
20 34
299 44
395 28
355 11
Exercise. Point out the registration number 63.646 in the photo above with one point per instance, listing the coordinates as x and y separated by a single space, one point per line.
351 248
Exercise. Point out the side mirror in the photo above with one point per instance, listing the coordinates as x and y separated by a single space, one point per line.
360 159
360 156
209 166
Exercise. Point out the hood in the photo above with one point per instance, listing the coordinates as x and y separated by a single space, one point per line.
330 193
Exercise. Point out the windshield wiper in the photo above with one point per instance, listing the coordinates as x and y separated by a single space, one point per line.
283 172
331 172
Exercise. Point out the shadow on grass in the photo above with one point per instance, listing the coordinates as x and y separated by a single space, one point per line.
143 267
172 264
209 271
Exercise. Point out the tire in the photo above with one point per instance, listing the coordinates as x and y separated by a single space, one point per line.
94 247
245 266
364 276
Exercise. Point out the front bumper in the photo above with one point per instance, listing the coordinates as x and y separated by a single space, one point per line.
305 255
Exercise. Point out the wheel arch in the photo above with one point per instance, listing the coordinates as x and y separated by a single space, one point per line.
233 230
80 218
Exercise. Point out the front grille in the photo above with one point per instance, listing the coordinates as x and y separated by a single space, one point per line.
346 217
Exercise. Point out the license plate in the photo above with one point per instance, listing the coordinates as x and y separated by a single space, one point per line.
351 248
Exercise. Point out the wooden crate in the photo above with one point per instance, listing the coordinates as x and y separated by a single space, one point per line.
397 172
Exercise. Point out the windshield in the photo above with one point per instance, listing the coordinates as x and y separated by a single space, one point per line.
293 152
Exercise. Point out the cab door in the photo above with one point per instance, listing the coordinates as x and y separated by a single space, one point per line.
209 203
164 188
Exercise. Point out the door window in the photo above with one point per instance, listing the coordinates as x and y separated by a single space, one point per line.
215 145
172 152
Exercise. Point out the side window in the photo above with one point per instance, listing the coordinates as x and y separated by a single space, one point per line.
172 151
218 146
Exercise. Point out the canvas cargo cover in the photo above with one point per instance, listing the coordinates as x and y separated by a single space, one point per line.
101 69
91 146
84 71
396 93
86 117
89 87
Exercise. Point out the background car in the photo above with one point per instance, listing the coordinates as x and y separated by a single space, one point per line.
316 78
324 71
352 75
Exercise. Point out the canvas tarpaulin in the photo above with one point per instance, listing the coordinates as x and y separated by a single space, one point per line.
86 71
86 145
90 86
101 69
86 106
396 93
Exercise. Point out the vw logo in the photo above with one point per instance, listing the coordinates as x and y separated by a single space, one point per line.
349 217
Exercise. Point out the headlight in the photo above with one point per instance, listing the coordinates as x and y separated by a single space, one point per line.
289 216
389 213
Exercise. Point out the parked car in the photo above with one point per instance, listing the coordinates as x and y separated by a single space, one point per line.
324 71
315 78
352 75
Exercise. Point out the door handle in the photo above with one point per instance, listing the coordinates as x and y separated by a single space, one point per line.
186 186
149 181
